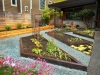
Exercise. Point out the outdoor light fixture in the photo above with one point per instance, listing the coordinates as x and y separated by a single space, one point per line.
50 2
26 8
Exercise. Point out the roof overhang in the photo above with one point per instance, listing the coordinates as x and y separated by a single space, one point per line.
71 3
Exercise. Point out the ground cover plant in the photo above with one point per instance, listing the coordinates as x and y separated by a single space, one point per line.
87 33
49 49
10 66
86 49
68 39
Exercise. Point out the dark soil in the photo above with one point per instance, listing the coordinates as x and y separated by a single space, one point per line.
64 38
28 45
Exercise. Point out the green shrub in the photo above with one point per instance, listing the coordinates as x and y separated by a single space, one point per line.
19 25
23 27
8 28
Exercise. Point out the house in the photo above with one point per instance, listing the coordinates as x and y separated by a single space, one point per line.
13 12
76 5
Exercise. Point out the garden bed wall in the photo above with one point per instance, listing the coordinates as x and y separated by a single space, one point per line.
26 46
64 38
5 34
84 35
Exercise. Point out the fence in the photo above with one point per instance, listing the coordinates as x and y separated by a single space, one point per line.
12 19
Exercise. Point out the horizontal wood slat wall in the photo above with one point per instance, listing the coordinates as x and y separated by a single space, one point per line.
12 19
6 34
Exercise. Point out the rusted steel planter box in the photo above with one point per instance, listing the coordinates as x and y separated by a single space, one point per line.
26 50
84 35
64 38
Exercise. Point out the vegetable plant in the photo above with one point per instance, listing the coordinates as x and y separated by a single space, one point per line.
8 28
19 25
51 47
73 39
36 42
36 50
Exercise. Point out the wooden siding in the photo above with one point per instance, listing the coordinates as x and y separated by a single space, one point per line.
10 8
25 3
18 5
35 6
1 7
12 19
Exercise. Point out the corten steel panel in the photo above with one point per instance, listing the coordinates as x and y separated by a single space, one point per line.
26 3
10 8
1 7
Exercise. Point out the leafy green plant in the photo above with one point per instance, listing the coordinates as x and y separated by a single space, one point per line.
8 28
57 1
36 50
84 15
74 39
48 14
51 47
36 42
60 34
19 25
23 27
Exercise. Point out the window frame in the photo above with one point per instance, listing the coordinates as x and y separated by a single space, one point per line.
27 8
40 5
15 5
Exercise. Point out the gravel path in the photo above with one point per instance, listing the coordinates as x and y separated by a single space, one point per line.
10 47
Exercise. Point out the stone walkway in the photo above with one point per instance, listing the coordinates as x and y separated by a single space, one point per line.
10 47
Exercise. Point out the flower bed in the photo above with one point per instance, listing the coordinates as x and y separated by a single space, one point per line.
86 33
68 39
31 47
86 49
18 67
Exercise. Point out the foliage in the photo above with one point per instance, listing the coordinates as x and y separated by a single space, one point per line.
89 32
57 1
60 34
51 47
85 15
36 42
18 67
48 14
87 48
74 39
36 50
56 52
8 28
19 25
23 27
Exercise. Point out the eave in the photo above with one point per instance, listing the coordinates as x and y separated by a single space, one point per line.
71 3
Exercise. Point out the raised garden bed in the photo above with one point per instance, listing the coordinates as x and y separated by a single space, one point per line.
26 48
86 49
68 39
87 33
